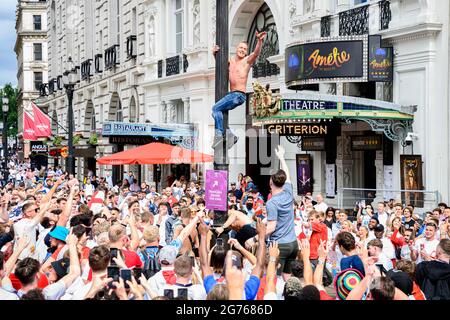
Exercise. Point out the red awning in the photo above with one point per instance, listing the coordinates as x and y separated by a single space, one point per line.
156 153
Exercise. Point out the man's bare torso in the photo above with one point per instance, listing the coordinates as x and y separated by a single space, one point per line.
238 74
241 220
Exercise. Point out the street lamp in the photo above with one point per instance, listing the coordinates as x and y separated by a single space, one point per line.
69 80
5 107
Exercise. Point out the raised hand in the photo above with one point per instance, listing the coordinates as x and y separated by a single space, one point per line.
22 243
261 35
234 243
235 278
215 49
306 250
280 152
274 252
260 228
203 229
323 250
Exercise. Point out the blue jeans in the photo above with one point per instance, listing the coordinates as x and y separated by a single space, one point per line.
231 101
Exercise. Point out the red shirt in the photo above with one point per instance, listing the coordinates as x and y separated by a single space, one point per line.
325 296
172 200
319 232
262 288
132 259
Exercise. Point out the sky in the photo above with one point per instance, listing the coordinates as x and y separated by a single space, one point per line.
8 62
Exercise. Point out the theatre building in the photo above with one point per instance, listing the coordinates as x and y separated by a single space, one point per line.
359 97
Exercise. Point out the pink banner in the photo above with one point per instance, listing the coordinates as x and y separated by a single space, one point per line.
41 122
216 188
29 132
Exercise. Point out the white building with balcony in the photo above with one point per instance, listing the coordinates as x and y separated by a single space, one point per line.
167 77
32 55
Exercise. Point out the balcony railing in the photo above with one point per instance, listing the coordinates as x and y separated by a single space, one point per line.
112 57
59 83
173 65
52 86
354 21
98 63
131 47
43 90
385 14
86 69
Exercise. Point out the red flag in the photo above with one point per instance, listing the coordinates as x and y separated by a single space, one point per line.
42 122
29 132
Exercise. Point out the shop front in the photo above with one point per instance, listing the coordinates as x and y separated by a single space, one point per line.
344 139
124 136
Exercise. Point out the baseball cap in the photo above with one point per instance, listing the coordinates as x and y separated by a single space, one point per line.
61 267
59 233
168 255
346 281
402 281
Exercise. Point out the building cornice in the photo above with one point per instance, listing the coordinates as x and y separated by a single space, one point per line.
411 32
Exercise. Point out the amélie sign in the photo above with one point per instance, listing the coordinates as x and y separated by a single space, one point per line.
314 62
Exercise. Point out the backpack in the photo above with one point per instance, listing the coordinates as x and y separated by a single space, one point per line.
151 264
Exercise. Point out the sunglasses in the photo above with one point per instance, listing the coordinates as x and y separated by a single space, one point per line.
35 210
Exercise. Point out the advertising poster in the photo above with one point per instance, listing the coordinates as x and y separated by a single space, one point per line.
381 61
411 179
330 180
304 174
216 187
323 60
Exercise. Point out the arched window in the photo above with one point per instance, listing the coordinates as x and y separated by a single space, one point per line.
264 21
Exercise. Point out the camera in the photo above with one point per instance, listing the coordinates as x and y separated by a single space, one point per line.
410 137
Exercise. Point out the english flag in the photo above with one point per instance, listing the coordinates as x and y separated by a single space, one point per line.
29 132
42 123
96 203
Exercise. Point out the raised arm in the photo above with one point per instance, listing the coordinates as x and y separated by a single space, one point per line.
247 254
22 243
52 191
307 269
232 216
318 273
255 54
280 152
134 232
4 217
261 253
203 252
188 229
271 273
65 216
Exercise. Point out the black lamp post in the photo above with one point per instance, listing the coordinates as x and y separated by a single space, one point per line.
69 80
5 107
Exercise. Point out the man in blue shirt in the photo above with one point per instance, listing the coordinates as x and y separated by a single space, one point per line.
280 216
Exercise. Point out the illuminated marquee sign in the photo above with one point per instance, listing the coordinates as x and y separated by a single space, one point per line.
342 60
381 61
298 129
367 143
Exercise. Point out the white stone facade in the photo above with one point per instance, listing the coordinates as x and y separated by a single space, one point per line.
31 50
418 31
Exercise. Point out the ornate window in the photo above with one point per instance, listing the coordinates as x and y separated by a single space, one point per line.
264 21
354 21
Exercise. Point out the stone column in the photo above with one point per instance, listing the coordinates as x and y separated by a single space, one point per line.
380 176
187 110
344 168
163 113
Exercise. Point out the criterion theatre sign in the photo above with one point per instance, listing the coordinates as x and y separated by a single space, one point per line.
298 129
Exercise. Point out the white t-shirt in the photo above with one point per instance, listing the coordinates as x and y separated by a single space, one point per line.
195 292
388 248
80 292
382 219
162 229
321 207
6 295
73 288
158 281
41 247
429 248
26 227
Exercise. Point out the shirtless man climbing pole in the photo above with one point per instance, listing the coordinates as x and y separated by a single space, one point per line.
238 68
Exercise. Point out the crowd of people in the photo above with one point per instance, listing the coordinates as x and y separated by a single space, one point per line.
65 239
